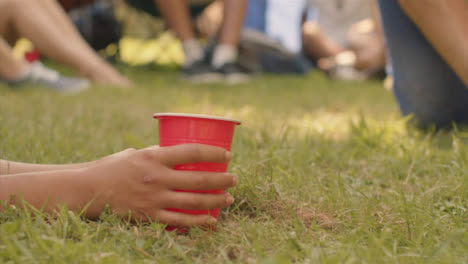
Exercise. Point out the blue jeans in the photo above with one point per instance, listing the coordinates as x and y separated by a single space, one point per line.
255 15
425 86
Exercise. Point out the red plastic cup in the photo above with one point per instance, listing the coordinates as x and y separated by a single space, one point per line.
177 129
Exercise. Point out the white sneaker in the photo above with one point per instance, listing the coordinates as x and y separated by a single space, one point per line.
37 73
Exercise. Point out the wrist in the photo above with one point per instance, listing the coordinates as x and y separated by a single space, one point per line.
5 167
93 185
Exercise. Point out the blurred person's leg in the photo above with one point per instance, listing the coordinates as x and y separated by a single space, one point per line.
234 12
424 84
210 20
10 67
223 62
177 16
70 32
6 31
35 22
15 72
63 23
226 50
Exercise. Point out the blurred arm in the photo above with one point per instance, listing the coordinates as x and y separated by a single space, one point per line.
445 25
10 167
47 190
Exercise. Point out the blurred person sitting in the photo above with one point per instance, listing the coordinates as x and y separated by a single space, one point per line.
17 72
50 30
223 61
429 58
200 66
344 38
211 17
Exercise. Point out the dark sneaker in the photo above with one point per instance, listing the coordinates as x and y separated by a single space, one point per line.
233 73
260 53
201 72
41 75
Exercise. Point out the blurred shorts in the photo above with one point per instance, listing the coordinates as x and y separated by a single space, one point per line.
196 7
73 4
424 84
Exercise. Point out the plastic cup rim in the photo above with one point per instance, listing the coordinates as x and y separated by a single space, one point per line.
157 115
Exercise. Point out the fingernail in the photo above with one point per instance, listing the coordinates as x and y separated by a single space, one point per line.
228 155
146 179
229 200
211 221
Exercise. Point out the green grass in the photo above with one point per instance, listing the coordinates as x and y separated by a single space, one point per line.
328 172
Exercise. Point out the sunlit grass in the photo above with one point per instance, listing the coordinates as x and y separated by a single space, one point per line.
329 172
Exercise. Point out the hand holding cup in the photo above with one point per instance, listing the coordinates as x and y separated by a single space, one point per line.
143 183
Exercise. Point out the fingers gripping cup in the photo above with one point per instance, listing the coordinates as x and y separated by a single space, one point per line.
176 129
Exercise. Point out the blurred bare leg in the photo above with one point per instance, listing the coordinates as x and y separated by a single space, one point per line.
33 21
225 53
10 67
209 22
69 31
177 16
6 32
176 13
62 22
234 12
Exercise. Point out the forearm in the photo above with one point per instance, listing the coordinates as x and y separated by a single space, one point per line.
444 23
10 167
48 190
